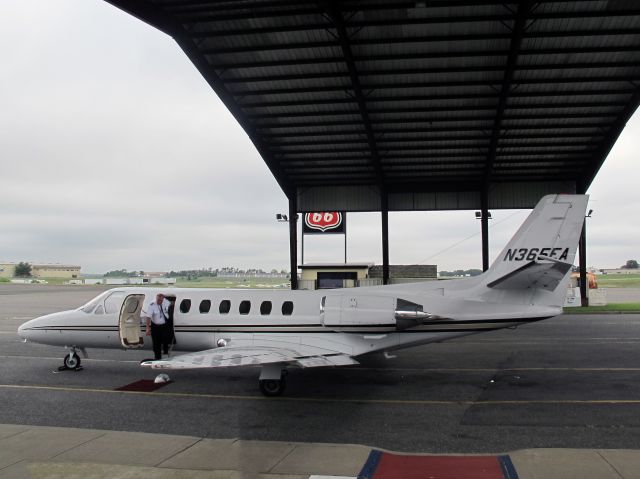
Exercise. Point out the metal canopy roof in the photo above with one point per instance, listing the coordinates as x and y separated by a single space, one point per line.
430 103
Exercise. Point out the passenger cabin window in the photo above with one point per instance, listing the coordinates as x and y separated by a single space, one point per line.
287 308
225 306
245 307
265 308
205 306
185 305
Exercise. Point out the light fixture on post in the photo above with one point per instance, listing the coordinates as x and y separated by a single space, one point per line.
479 215
282 218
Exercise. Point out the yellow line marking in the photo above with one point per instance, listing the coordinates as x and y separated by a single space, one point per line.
549 340
497 370
59 358
381 369
415 402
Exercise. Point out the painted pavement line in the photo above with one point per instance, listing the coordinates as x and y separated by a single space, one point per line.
390 369
59 358
496 370
416 402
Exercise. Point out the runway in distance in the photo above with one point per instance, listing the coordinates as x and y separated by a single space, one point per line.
280 329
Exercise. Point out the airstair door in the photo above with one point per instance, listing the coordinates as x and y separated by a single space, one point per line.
131 335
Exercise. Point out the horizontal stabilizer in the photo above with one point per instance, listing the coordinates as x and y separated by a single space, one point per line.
545 275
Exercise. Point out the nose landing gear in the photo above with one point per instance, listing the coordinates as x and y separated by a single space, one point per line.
72 360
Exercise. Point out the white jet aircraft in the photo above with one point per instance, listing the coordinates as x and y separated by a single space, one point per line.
278 329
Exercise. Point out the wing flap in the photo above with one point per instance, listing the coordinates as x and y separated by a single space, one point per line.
251 356
328 360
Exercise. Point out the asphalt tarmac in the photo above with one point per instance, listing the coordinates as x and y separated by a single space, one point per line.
569 382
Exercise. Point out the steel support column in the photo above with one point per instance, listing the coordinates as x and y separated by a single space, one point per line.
584 300
293 240
484 224
582 255
384 210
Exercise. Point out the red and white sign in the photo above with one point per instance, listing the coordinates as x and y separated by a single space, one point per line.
323 222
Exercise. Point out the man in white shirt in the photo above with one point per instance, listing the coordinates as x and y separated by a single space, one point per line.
157 318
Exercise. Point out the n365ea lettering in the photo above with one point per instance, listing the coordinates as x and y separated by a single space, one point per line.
530 254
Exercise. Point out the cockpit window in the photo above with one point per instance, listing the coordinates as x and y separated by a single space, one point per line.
99 310
113 302
87 308
90 306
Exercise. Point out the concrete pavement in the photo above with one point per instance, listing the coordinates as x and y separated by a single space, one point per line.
50 452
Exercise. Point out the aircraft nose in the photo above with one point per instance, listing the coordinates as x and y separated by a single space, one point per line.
22 330
25 330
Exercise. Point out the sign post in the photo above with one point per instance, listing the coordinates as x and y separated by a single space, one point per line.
327 222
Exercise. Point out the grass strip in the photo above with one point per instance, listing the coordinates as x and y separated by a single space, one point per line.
609 308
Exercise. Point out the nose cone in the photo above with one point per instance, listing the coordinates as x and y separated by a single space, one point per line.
47 329
35 330
26 329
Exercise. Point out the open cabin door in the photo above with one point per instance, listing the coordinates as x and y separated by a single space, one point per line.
131 335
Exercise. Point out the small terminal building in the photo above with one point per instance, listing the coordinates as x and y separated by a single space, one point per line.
42 270
352 275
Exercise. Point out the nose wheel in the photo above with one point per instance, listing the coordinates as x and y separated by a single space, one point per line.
72 361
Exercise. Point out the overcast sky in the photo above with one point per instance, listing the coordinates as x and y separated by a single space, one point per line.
117 154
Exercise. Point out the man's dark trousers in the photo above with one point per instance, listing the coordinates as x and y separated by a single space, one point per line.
159 337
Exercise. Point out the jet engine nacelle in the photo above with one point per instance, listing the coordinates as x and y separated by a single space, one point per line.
344 311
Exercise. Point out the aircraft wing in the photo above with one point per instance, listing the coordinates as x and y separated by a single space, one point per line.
230 356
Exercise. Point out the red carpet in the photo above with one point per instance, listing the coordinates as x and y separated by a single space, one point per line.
144 385
382 465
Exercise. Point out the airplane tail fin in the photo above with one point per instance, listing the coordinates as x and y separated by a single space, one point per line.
534 267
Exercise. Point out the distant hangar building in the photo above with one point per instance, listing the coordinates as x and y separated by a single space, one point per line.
43 270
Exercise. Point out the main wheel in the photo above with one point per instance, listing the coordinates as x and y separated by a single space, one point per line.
272 387
72 361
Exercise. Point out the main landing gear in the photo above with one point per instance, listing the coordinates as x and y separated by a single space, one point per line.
272 380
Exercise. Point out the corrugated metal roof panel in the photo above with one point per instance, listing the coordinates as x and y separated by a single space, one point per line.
399 96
